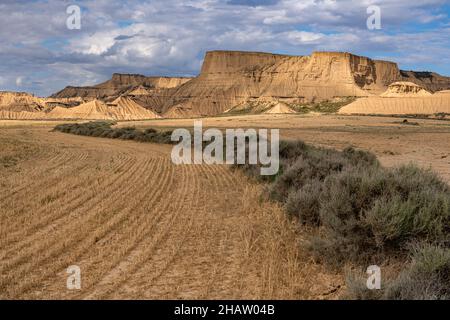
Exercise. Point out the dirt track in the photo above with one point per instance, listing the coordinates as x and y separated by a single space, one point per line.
138 226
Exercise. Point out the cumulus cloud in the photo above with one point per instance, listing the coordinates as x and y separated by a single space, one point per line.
170 37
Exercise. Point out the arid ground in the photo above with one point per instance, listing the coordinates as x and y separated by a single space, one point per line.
140 227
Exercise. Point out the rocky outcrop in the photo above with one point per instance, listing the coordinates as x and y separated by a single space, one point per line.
119 85
405 89
229 78
20 101
429 80
233 80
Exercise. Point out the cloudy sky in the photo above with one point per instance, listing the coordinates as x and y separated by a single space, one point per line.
39 54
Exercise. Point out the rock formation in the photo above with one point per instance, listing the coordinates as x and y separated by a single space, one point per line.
405 89
120 109
118 85
280 108
229 78
20 101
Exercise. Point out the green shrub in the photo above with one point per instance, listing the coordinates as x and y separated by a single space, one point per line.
365 211
103 129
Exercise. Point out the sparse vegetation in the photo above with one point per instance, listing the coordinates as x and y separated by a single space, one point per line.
103 129
324 106
364 213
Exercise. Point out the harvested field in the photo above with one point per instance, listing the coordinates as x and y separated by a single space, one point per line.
138 226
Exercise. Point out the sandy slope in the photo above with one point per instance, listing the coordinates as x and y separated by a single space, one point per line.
402 105
120 109
280 108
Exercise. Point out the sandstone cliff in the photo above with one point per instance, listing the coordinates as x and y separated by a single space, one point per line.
20 101
229 78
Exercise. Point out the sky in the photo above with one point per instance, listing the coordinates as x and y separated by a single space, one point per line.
41 55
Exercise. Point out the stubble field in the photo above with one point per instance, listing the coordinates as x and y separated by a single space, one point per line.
140 227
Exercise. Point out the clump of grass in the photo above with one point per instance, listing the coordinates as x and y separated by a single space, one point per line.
104 129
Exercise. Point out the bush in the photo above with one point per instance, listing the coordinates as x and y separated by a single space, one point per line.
103 129
363 210
367 211
427 277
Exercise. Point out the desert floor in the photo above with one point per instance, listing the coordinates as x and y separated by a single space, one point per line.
140 227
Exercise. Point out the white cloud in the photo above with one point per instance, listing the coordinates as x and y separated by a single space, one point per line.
170 36
300 37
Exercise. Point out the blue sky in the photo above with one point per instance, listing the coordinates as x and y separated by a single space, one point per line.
39 54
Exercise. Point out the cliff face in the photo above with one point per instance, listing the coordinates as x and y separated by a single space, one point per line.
229 78
429 80
118 85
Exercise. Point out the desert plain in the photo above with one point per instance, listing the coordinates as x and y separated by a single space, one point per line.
141 227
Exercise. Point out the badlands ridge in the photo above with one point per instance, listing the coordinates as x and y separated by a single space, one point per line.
232 81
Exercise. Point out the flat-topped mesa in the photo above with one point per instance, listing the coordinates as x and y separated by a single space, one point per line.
229 78
235 61
327 66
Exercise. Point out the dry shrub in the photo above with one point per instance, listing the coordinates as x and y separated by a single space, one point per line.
103 129
365 213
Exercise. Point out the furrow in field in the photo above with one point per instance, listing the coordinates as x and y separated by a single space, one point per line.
66 201
88 227
146 215
49 219
166 249
170 208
